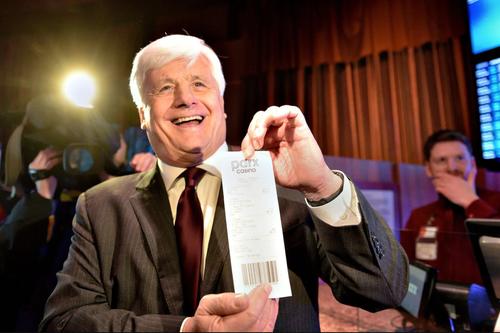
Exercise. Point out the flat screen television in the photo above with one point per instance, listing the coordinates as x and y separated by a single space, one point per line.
422 279
484 26
485 237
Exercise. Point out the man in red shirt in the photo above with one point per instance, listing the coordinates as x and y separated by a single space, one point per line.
436 232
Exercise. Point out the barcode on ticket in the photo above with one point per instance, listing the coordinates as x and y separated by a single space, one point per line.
259 272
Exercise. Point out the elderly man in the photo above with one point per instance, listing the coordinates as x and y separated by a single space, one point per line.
126 269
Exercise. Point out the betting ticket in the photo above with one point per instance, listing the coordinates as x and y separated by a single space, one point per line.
253 221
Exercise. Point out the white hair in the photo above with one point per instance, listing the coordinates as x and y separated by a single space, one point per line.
162 51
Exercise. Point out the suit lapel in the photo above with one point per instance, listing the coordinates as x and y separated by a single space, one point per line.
217 253
152 209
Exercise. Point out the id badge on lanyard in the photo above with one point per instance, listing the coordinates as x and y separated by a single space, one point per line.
426 245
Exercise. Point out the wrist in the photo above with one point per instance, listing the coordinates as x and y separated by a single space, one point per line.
329 191
46 187
39 174
468 201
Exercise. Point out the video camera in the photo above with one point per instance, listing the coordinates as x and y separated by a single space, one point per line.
86 139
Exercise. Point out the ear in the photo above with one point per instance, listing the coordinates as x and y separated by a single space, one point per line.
142 118
428 170
221 101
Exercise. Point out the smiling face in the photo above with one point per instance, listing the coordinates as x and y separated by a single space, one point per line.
184 114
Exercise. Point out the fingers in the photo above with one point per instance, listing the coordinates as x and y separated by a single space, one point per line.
269 315
262 121
259 296
259 314
246 147
213 310
120 155
273 116
143 161
46 159
471 177
223 304
232 312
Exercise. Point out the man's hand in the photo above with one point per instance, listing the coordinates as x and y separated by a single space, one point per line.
456 189
143 161
46 159
254 312
297 159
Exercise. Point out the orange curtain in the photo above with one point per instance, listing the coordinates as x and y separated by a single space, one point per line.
374 78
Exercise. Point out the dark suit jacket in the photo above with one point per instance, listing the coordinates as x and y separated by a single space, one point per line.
123 273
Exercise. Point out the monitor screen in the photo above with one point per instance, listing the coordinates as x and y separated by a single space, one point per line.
421 284
485 237
487 75
484 24
490 247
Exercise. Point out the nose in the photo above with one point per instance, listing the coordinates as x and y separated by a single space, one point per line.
452 164
184 97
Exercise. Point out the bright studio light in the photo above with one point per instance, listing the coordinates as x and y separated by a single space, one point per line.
79 88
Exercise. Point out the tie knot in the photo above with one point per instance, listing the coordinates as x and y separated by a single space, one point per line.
192 176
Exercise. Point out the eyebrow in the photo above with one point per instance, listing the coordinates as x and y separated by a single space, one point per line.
198 77
450 156
167 79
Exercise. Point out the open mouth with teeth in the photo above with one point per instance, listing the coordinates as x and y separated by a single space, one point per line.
188 120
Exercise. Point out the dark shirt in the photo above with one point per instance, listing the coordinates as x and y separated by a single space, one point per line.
28 263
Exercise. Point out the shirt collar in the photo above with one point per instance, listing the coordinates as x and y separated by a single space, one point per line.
170 173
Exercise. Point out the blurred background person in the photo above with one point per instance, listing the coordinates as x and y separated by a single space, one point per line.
135 153
435 233
51 157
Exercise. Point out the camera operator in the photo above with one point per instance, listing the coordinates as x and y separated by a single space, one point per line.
24 247
42 159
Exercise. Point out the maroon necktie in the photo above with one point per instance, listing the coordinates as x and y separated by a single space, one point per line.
189 232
